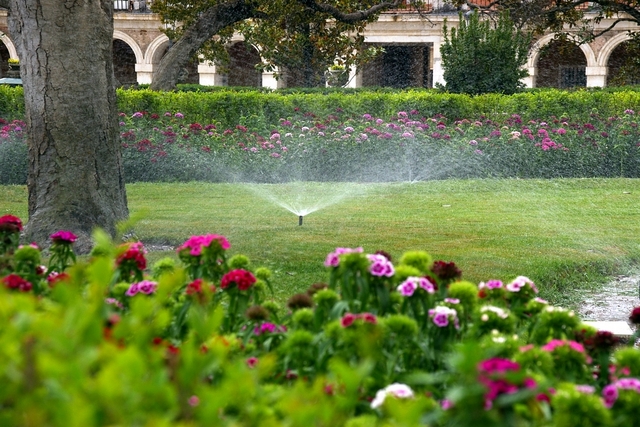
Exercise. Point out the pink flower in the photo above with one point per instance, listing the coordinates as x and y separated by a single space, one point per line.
147 287
397 390
408 287
63 237
133 290
10 223
442 316
380 266
333 259
195 244
347 320
252 362
194 400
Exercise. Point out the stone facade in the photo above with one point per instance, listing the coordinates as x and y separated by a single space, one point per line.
411 55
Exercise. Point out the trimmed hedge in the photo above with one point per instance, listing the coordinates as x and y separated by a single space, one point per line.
231 106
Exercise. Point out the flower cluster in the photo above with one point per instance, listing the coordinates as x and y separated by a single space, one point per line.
350 318
443 316
15 282
195 244
411 284
243 279
132 261
333 258
380 265
146 287
10 224
493 374
269 328
63 237
397 390
611 392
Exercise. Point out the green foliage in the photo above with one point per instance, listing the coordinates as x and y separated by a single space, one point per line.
479 59
169 356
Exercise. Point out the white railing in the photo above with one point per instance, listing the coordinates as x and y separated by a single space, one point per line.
132 5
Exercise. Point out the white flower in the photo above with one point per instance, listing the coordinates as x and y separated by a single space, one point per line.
397 390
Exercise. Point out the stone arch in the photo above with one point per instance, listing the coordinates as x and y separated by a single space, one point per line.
534 52
119 35
13 53
156 49
569 69
616 59
610 46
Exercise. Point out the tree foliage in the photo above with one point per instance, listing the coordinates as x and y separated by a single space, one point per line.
480 59
558 15
306 36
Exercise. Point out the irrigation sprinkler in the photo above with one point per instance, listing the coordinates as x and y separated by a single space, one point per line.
300 220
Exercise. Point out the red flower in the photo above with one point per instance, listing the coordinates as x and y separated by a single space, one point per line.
194 287
64 237
134 253
242 278
10 224
446 270
54 278
13 281
347 320
635 316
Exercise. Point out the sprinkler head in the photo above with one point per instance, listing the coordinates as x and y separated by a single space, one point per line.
300 220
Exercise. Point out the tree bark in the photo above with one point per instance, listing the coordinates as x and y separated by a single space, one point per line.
204 28
76 179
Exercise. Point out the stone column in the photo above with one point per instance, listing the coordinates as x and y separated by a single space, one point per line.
530 81
209 75
269 80
144 73
438 71
596 76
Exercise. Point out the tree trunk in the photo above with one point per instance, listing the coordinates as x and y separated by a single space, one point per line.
75 179
207 25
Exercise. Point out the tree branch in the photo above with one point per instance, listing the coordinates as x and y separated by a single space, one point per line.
353 17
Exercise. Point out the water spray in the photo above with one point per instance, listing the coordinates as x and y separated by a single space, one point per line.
300 219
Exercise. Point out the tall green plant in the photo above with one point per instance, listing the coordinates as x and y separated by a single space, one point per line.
479 59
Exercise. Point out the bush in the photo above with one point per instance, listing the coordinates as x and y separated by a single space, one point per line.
479 59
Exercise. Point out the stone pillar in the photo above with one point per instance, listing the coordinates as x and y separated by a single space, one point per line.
530 81
355 78
209 75
269 80
144 73
438 71
596 76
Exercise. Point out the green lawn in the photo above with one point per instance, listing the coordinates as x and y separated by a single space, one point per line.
566 235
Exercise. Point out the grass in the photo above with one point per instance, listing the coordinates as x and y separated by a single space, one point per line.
567 235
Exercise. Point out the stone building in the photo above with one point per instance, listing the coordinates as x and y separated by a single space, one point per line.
411 55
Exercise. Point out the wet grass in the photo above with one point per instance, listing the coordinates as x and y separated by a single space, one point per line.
567 235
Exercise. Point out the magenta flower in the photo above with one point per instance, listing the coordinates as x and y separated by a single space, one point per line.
333 259
408 287
10 224
380 266
147 287
133 290
252 362
443 316
347 320
268 328
195 244
63 237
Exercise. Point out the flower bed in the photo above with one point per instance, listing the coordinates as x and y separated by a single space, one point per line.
381 342
342 147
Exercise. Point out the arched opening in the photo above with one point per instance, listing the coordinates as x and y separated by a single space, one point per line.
400 66
4 58
242 71
561 64
624 64
124 64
